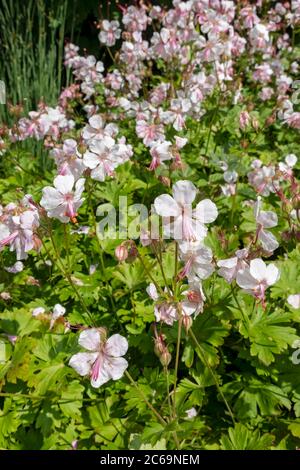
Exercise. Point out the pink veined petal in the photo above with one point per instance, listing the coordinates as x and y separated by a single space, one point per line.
203 271
166 206
117 367
227 263
268 241
116 346
188 308
272 274
79 188
206 211
64 183
258 269
152 291
267 219
245 280
90 160
90 339
96 121
184 192
51 198
82 362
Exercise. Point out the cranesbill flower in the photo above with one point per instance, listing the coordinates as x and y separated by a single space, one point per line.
110 32
63 201
265 219
187 224
256 278
104 360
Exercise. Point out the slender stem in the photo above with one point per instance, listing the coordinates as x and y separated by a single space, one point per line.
176 364
160 262
133 382
240 308
166 371
202 355
65 274
175 267
149 274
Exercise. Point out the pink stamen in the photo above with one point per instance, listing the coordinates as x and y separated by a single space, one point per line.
96 368
9 239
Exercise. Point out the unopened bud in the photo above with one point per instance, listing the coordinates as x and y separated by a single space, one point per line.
121 253
165 181
187 322
165 358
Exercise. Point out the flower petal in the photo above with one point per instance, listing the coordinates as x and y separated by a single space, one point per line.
258 269
166 206
90 339
64 183
272 274
206 211
184 192
116 346
82 362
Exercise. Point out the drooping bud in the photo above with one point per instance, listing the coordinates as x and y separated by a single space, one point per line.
121 253
187 322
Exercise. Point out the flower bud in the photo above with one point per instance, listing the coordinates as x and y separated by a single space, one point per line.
165 358
121 253
187 322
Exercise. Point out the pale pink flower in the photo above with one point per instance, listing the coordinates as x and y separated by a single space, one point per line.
97 129
160 152
58 311
197 259
256 278
187 224
149 132
104 360
63 200
230 267
264 220
110 32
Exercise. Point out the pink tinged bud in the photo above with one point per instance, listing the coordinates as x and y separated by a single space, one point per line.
165 358
121 253
187 322
244 119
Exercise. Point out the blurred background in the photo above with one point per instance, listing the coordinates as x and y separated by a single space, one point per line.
32 38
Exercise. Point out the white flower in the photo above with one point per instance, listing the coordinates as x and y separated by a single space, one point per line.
197 258
104 360
191 413
265 219
63 201
38 311
257 278
96 129
110 32
102 158
160 152
188 224
58 311
290 162
230 267
16 268
294 300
